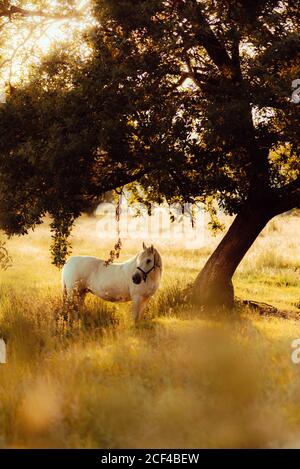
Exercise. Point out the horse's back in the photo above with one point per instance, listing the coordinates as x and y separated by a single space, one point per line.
80 268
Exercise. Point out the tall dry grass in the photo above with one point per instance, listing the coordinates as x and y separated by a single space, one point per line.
182 378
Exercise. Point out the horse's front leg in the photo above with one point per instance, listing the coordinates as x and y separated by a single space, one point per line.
139 304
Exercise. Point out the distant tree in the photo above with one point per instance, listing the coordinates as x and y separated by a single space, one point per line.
190 98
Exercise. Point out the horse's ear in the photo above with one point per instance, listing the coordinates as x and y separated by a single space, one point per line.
144 246
151 248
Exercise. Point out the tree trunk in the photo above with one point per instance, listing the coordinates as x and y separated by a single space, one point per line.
213 286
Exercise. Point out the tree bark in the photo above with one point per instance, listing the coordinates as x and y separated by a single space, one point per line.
213 286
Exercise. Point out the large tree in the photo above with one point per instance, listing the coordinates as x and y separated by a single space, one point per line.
190 98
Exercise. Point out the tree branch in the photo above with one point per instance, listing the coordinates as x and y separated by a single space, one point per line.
235 56
287 197
17 11
123 179
215 49
183 77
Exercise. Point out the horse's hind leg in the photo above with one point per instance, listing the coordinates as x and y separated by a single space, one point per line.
64 296
80 299
73 301
67 303
77 299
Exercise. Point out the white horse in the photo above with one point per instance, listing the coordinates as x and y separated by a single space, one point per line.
135 280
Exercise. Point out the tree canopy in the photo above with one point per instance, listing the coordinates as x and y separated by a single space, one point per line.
190 98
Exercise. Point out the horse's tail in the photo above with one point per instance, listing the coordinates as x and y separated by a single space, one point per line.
63 286
64 295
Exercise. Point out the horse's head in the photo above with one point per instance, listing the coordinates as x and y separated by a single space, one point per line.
147 262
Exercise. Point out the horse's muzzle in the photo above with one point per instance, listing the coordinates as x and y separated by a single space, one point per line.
136 278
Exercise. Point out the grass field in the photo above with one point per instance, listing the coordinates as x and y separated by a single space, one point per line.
182 378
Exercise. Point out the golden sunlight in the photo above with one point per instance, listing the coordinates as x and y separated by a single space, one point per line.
29 38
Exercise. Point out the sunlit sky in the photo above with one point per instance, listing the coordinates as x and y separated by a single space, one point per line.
30 38
60 30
